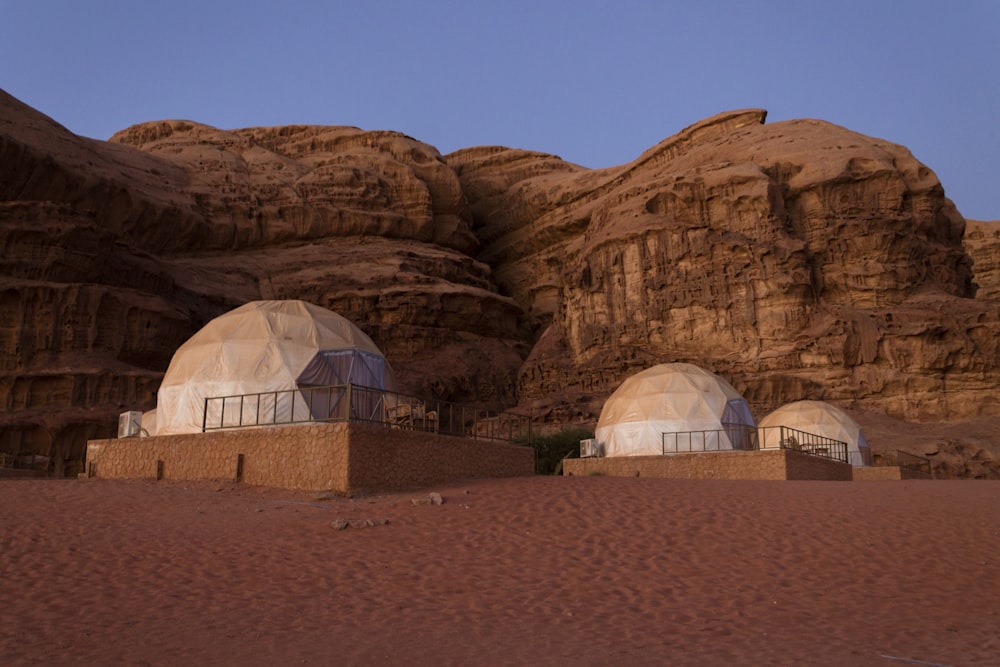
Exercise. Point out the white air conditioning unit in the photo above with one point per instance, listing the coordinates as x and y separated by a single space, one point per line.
588 448
129 424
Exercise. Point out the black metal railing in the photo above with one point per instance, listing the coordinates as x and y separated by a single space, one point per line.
355 403
730 436
913 462
785 437
25 465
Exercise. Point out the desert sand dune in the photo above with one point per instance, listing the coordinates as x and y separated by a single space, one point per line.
525 571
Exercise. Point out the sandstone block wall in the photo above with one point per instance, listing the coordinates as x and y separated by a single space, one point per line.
339 457
389 459
763 464
295 457
888 472
799 465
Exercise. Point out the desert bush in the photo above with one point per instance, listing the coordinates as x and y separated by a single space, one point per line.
552 448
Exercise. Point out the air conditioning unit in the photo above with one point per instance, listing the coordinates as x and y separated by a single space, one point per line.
588 448
129 424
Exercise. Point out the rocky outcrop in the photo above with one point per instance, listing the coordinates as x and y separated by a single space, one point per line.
86 329
114 253
982 243
373 225
799 259
267 186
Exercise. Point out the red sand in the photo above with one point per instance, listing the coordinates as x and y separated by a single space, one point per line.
532 571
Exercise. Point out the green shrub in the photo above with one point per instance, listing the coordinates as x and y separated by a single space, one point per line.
551 449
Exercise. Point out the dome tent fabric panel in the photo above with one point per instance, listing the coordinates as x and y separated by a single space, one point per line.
679 399
248 404
826 420
260 347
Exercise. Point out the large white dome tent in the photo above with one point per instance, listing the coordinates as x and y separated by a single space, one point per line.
260 347
697 409
826 420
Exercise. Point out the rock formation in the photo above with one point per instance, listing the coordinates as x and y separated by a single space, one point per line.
982 243
114 253
798 259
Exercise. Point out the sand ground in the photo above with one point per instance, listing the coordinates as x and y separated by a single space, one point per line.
527 571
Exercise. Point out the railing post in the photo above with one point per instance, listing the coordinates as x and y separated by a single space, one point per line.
350 411
204 417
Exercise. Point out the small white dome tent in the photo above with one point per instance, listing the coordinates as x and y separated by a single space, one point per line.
267 346
698 410
823 419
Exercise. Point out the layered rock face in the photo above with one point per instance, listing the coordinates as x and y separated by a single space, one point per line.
982 243
114 253
372 225
798 259
86 328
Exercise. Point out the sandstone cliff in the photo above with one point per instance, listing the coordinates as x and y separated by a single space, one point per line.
116 252
982 243
799 259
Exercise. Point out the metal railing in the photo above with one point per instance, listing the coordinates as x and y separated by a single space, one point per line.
25 465
906 460
355 403
785 437
730 436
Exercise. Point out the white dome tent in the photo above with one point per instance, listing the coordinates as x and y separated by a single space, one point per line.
696 409
825 420
261 347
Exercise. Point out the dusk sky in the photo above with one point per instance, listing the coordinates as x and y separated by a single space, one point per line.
593 82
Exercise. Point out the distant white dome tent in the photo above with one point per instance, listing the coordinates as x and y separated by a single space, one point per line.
825 420
696 409
261 347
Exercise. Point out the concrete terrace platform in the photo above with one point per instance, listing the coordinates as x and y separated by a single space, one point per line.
341 457
760 464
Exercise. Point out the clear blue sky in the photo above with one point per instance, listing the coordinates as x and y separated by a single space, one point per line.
593 82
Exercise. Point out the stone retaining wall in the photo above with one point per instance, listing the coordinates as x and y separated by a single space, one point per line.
877 473
339 457
390 459
761 464
799 465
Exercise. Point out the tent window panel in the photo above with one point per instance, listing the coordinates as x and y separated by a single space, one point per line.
737 412
333 367
326 369
369 370
325 403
